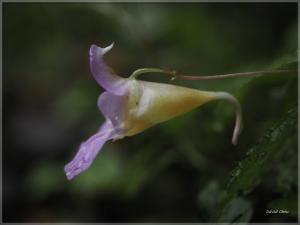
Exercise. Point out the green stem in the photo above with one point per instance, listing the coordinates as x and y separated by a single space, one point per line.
173 74
138 72
231 75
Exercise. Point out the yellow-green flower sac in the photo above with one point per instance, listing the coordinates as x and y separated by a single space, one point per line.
151 103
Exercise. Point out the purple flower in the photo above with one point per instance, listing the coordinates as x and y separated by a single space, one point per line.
130 106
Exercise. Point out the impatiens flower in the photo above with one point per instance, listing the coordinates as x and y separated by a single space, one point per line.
130 106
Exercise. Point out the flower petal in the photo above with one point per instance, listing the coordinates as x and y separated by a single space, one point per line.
114 109
88 151
103 74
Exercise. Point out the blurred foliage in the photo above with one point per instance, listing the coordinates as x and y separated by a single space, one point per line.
250 170
183 170
278 141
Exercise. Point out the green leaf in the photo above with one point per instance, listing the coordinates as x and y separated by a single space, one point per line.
249 171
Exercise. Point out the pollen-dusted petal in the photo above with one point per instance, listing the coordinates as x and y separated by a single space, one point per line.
103 74
88 151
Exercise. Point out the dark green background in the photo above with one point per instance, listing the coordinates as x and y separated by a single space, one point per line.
184 170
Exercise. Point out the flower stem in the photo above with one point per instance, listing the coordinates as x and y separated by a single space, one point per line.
173 74
138 72
230 75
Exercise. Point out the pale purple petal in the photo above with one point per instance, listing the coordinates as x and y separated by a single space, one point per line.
88 151
103 74
113 108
